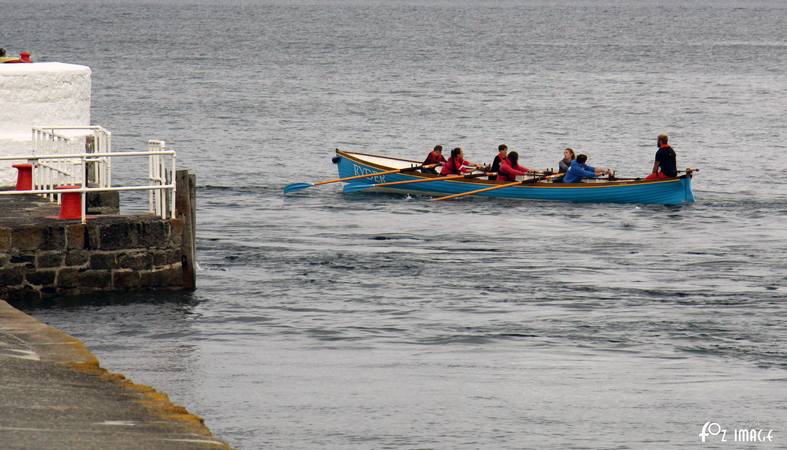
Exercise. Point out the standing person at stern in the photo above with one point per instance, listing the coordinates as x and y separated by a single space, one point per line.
665 165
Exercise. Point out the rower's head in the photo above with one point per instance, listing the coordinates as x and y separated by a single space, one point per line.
502 149
513 158
438 148
662 140
456 153
568 154
582 158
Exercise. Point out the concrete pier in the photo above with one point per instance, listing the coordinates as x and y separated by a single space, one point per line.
54 395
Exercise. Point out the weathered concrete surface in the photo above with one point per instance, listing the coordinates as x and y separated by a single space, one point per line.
54 395
29 209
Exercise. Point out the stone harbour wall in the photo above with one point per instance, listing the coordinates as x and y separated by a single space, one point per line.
47 259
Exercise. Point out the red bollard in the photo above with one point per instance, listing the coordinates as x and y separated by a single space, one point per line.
24 178
70 204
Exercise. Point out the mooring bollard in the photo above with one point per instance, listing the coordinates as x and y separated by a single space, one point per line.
24 177
70 204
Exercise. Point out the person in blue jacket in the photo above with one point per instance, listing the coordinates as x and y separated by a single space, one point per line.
579 170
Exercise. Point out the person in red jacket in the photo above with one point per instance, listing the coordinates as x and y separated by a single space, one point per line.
457 165
434 157
510 168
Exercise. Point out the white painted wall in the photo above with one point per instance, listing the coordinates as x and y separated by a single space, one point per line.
39 94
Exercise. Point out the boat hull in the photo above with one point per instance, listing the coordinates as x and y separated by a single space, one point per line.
672 191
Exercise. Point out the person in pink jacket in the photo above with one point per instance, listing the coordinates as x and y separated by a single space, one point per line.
510 168
457 165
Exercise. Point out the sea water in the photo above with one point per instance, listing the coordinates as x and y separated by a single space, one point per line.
325 320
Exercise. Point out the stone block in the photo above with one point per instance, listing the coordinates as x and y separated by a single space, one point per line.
49 259
96 279
41 277
24 294
68 278
92 236
11 277
26 259
171 276
28 238
148 278
153 234
118 236
77 257
5 239
48 291
103 261
126 279
166 257
54 238
75 236
135 261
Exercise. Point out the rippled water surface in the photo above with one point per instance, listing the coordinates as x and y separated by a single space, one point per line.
369 321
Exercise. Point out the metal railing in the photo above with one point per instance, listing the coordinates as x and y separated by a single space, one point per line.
51 171
159 175
65 140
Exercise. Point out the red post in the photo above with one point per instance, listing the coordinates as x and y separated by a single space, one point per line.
70 204
24 177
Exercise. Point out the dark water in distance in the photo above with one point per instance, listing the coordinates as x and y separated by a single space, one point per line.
332 321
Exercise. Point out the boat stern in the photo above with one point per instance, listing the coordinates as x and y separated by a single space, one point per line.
688 193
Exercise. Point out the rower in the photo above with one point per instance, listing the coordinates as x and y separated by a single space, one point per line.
435 157
579 170
457 165
502 154
565 163
510 168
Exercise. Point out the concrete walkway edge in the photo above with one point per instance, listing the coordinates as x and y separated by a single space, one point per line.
40 366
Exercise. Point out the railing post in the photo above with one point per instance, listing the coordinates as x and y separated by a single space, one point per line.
173 206
151 199
109 160
84 185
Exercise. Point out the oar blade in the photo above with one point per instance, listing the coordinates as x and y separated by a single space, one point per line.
295 187
356 187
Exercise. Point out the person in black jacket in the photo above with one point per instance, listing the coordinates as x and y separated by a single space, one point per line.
502 155
665 165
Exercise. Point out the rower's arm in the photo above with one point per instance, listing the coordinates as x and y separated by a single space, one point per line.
656 166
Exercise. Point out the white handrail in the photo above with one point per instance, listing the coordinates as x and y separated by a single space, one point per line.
80 190
87 155
54 169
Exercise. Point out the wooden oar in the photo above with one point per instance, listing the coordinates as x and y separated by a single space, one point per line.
363 186
478 191
294 187
499 186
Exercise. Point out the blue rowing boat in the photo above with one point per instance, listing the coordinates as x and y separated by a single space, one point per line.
671 191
